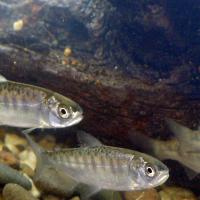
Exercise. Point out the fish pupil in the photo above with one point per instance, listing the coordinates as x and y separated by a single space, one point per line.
149 170
63 111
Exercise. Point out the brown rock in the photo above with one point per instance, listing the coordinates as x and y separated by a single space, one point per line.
15 192
75 198
13 139
28 158
150 194
48 142
8 158
67 52
176 193
51 197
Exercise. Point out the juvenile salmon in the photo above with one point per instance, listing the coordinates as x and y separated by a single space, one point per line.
29 106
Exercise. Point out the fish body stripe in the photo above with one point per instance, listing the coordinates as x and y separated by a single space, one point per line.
95 159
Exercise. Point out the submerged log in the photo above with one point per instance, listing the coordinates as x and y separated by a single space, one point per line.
113 104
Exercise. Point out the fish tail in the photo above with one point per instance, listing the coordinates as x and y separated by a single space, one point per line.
141 142
181 132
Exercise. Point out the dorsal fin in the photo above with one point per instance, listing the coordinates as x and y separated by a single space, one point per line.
36 148
47 168
42 160
86 139
2 78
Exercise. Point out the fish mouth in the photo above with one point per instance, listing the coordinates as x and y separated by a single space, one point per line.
75 120
161 178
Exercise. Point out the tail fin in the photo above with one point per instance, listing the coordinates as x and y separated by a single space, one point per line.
141 142
181 132
187 143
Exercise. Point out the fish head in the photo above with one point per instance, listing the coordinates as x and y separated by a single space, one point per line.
147 172
63 112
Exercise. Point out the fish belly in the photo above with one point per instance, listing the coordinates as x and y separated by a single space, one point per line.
101 176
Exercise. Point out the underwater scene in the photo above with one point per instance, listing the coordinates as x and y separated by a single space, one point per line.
99 100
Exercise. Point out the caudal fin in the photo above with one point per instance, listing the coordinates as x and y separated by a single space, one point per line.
181 132
141 142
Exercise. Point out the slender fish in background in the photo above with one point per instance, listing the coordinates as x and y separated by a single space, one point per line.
105 167
62 185
184 147
191 138
28 106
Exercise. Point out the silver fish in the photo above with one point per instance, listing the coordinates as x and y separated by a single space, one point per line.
184 147
106 167
62 185
28 106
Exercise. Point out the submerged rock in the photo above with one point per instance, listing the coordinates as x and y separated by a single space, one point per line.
176 193
27 157
10 175
150 194
15 140
16 192
8 158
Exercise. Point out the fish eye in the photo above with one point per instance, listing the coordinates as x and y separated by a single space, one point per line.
149 170
63 112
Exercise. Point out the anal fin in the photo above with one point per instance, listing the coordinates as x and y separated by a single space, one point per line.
87 191
108 195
